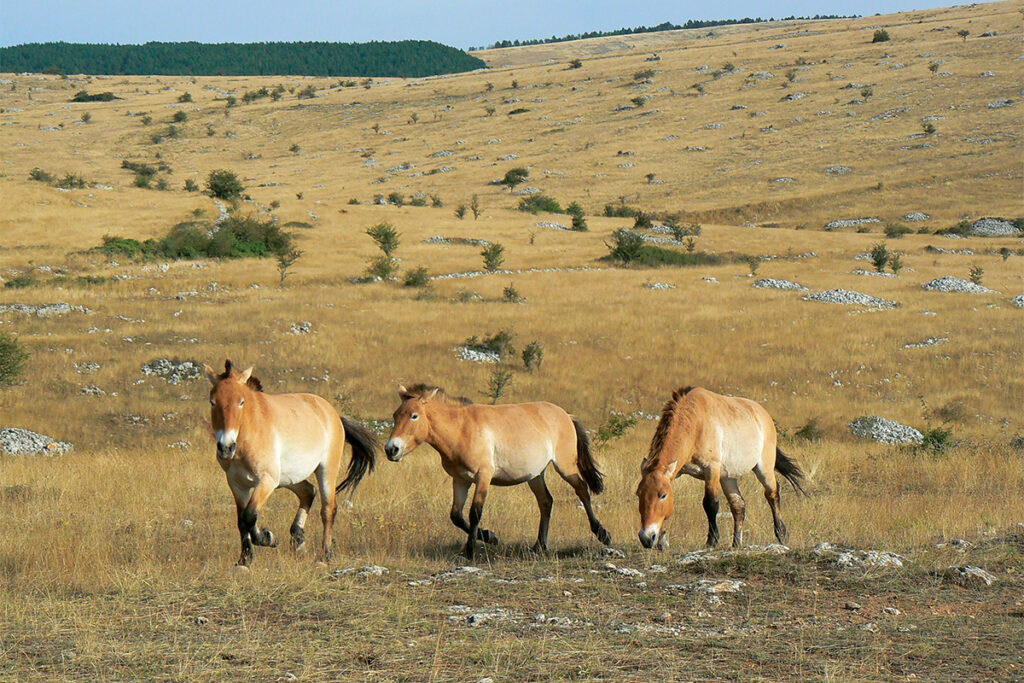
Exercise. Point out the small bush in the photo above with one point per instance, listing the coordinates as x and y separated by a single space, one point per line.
460 211
642 221
418 277
644 75
191 186
976 274
575 64
436 202
12 359
285 261
518 110
896 231
294 149
475 207
620 211
83 96
185 97
383 267
307 93
71 181
536 203
638 101
515 176
494 256
86 117
895 264
616 426
936 440
40 175
626 246
533 356
499 343
579 223
879 256
396 198
511 294
928 128
880 36
223 184
810 431
500 379
386 237
180 117
21 282
418 201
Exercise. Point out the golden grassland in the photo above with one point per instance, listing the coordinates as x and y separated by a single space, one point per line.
114 559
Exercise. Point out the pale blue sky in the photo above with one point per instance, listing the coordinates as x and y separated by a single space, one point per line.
460 23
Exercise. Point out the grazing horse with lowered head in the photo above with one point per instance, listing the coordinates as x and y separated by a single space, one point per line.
501 445
715 439
269 441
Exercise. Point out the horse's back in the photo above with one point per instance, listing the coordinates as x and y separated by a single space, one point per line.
522 438
738 429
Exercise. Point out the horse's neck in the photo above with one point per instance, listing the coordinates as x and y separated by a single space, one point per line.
447 435
678 449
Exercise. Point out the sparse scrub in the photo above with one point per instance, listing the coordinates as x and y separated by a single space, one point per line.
499 343
235 237
12 359
500 380
896 230
460 211
811 431
976 274
895 264
396 198
879 256
615 427
511 294
515 176
533 356
285 261
494 256
880 36
417 277
535 203
224 184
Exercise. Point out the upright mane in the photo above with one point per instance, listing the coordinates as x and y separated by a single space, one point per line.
661 432
420 390
253 382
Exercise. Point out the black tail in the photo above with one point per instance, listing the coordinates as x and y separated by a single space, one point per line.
788 468
585 461
364 446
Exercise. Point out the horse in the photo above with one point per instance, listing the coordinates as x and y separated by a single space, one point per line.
503 445
716 439
270 441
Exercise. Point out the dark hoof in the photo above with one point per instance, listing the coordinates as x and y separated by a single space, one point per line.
298 543
604 536
539 549
487 536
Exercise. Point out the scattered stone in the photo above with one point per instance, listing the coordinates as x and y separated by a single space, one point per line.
607 552
451 575
44 310
526 191
364 571
708 278
948 283
884 430
850 223
92 390
659 285
930 341
1000 103
890 610
961 545
851 605
837 170
303 327
761 76
779 181
969 576
1018 301
711 586
86 367
916 216
793 96
770 283
989 227
438 239
17 441
863 559
849 297
173 371
551 225
624 571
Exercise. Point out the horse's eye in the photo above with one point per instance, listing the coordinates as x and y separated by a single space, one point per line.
415 416
212 402
663 496
241 403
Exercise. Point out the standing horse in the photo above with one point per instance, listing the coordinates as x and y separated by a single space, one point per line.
267 441
716 439
501 445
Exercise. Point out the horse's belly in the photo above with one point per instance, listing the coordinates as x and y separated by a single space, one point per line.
297 465
505 477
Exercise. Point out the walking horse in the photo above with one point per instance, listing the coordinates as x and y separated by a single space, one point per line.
715 439
270 441
501 445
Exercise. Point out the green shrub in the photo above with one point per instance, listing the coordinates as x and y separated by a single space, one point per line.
179 117
499 343
895 264
86 117
810 431
40 175
396 198
533 356
418 277
642 221
976 274
644 75
880 36
223 184
518 110
896 231
83 96
185 97
71 181
515 176
620 211
418 201
386 237
21 282
536 203
616 426
12 359
494 256
511 294
307 93
936 440
191 186
383 267
879 256
579 223
500 379
629 248
236 237
626 246
460 211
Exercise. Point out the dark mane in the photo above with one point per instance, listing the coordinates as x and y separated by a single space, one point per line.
661 431
253 382
420 389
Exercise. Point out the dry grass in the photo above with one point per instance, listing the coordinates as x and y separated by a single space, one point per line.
112 552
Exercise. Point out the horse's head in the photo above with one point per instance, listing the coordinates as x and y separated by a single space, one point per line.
227 401
411 423
655 494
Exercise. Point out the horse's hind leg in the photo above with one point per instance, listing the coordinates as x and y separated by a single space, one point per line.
328 505
771 494
545 503
583 492
712 486
736 504
306 492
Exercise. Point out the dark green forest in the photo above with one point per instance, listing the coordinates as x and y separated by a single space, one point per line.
406 58
664 26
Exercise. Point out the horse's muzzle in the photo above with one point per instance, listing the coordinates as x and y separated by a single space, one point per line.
646 539
656 539
393 452
225 453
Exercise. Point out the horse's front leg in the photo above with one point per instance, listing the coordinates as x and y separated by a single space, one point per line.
476 509
460 492
248 529
712 487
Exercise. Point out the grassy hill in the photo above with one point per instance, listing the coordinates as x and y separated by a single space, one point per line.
114 562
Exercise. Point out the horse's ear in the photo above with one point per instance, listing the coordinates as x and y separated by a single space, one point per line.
246 374
211 374
228 365
403 393
427 397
